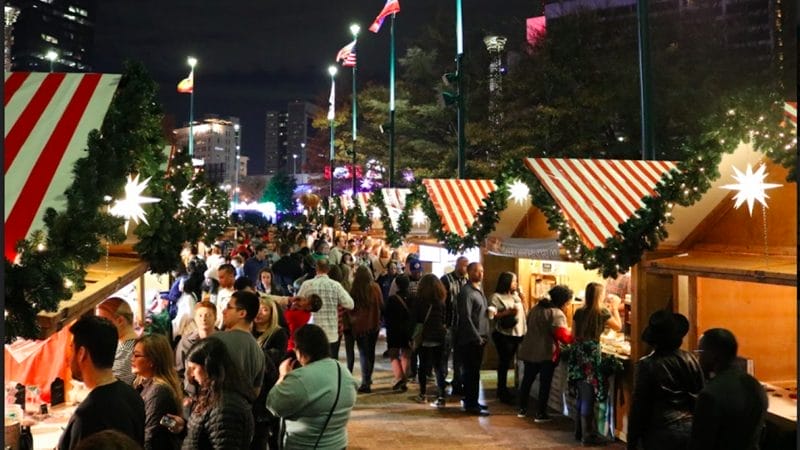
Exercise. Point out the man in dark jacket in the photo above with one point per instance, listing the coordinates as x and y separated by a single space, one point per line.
111 404
472 333
730 410
287 268
453 282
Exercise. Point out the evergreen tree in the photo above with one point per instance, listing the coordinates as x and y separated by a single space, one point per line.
280 191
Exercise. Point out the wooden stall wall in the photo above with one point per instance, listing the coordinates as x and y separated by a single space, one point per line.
763 318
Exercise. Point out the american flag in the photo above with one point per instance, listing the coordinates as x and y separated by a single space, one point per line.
347 55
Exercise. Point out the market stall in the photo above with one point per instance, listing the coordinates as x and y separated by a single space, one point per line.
48 120
736 268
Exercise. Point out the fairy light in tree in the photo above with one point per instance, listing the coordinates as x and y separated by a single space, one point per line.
130 207
519 191
202 203
750 187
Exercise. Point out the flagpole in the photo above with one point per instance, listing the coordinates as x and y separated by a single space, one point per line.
192 62
391 104
354 29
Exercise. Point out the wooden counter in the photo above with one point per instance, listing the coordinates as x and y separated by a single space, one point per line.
101 281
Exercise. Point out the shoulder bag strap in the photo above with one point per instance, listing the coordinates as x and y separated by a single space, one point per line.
402 302
338 391
427 315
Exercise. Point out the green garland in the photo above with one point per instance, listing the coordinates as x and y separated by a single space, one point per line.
749 116
394 237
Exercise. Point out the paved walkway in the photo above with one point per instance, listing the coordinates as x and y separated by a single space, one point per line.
388 420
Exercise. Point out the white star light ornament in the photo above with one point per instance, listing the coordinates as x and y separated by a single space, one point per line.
202 203
130 207
418 217
750 187
519 192
186 198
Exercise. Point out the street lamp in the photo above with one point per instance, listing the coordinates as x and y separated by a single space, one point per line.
192 61
332 71
51 56
236 169
354 28
294 165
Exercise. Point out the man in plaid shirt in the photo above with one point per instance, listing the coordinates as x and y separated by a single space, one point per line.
333 295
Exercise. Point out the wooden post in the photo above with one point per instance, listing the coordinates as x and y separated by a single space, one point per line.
140 300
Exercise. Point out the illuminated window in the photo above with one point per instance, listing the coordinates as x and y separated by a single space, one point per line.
50 39
77 10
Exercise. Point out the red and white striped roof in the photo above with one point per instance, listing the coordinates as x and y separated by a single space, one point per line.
48 117
790 110
395 201
597 195
362 199
457 201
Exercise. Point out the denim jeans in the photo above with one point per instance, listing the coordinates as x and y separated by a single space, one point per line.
506 349
545 371
472 357
366 355
431 357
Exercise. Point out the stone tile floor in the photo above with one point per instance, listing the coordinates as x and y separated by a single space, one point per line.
388 420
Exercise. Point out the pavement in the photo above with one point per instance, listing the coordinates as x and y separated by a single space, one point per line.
388 420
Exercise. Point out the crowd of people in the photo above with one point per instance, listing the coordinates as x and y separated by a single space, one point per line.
252 356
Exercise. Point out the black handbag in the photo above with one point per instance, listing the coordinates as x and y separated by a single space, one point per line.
507 322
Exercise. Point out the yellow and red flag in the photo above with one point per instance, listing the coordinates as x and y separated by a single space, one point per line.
186 86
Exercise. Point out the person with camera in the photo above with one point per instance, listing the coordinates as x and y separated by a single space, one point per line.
508 312
314 403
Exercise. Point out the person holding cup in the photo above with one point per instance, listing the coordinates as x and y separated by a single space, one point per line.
508 312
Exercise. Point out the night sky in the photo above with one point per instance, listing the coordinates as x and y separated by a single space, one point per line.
259 55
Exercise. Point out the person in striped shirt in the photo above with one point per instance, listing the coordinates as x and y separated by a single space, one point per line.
119 312
332 294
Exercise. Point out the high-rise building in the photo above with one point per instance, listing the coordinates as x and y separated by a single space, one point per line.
749 26
275 143
65 27
215 142
286 136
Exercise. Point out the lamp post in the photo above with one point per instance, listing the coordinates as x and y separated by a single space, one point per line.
460 91
192 62
51 56
354 28
237 140
294 166
331 111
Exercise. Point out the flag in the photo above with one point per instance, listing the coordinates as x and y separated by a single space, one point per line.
391 7
332 101
347 55
186 86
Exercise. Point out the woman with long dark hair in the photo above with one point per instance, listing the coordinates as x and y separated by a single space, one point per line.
509 314
365 322
157 382
430 312
588 324
221 416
